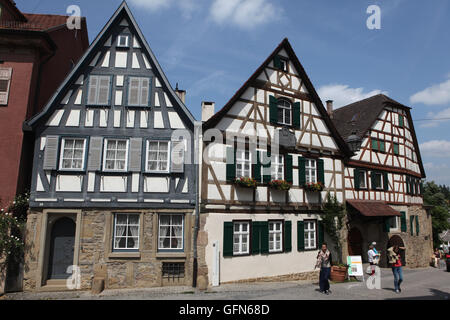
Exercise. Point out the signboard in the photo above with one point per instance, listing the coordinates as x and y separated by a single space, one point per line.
355 266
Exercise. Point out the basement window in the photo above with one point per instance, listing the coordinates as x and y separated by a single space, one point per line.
173 270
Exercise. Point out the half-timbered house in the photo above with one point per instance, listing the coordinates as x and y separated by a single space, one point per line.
383 180
113 187
271 155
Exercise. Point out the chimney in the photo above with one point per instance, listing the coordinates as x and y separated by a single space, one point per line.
181 94
330 108
207 110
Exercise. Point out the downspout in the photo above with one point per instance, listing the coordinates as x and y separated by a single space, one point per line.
197 160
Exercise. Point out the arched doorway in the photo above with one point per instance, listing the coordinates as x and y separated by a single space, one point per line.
62 241
355 242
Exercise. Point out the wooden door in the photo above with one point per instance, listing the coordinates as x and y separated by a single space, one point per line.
62 243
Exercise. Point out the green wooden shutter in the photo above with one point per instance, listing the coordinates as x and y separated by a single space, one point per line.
396 148
321 234
264 236
231 164
288 173
296 115
382 146
417 225
421 188
387 224
256 247
374 144
385 181
267 175
372 180
401 121
273 110
228 239
356 178
257 167
287 236
407 185
403 221
301 171
411 224
320 171
300 236
277 62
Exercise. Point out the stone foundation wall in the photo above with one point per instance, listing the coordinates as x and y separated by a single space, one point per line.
308 276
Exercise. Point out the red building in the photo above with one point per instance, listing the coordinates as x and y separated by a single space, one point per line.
37 51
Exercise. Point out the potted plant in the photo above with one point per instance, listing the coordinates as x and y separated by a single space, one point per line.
245 182
339 272
280 185
314 186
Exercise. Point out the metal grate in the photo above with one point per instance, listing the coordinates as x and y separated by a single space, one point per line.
173 270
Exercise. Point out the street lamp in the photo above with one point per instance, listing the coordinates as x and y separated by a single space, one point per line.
354 142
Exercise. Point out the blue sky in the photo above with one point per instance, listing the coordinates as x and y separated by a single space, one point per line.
211 47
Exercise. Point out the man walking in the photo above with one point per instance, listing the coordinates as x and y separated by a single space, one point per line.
324 263
395 260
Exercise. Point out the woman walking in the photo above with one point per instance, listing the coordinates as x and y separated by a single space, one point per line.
395 260
324 263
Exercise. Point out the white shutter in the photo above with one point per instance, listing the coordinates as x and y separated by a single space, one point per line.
95 153
177 158
135 154
92 95
144 91
103 90
133 91
5 82
51 153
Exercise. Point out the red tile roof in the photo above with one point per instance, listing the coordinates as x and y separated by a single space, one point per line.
35 22
373 208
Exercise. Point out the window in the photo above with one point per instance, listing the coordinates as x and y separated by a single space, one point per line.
126 231
281 63
173 270
311 170
310 235
394 224
122 41
5 81
277 167
171 232
138 91
396 148
378 145
362 179
115 155
158 156
377 180
72 154
241 238
243 163
401 121
275 236
99 90
284 112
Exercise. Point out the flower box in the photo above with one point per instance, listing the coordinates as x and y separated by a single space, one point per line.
313 187
280 185
245 182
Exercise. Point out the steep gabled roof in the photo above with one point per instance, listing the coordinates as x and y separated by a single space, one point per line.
214 120
121 12
360 116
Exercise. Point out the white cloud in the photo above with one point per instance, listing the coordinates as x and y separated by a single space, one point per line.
437 94
342 94
436 118
436 148
439 173
246 14
185 6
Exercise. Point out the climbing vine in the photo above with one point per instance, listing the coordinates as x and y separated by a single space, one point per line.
333 221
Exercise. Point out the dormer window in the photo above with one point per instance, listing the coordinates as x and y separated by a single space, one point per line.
123 41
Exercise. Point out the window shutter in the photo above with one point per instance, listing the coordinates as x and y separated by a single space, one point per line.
411 225
356 178
421 188
177 157
321 233
385 181
320 171
228 239
387 224
267 175
287 236
374 144
135 154
145 83
257 167
288 174
403 221
372 179
407 184
133 91
401 122
273 110
264 234
301 171
93 90
95 153
396 148
277 62
104 84
382 146
231 164
417 225
51 153
300 236
296 115
255 237
5 83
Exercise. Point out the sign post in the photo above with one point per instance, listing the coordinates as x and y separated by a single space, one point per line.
355 266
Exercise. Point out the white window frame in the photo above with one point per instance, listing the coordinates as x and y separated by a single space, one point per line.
61 157
127 42
126 234
397 224
276 164
311 171
310 234
168 156
242 161
140 103
364 172
277 245
105 148
284 108
5 75
241 235
170 225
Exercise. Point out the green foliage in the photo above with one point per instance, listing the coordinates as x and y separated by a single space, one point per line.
439 198
333 220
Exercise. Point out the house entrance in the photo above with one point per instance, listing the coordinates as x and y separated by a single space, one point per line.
62 243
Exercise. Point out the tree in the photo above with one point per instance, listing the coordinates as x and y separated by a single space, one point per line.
333 221
438 197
